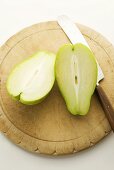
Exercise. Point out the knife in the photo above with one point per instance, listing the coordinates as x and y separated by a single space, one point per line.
75 36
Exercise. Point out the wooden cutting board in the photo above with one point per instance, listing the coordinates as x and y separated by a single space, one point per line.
48 127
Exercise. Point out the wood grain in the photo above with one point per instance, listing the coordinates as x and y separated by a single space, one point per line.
107 106
48 127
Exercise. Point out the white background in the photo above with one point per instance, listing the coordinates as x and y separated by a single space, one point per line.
17 14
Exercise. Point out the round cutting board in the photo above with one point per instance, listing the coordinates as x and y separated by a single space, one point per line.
48 127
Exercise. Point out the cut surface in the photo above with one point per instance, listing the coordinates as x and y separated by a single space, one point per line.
31 80
76 74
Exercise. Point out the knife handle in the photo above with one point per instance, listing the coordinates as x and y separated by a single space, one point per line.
109 111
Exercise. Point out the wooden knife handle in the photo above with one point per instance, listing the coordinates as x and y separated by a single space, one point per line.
109 111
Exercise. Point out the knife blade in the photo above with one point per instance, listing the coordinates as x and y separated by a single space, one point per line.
75 36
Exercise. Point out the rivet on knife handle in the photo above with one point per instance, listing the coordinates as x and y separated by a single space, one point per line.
109 111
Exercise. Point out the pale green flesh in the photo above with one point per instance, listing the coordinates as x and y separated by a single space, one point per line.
76 74
31 80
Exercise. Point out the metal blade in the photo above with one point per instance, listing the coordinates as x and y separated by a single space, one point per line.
75 36
70 29
100 75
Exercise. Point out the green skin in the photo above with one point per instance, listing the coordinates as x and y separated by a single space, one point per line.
76 75
29 89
